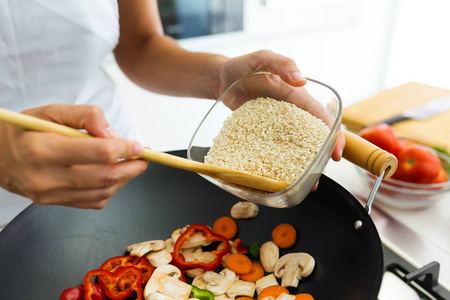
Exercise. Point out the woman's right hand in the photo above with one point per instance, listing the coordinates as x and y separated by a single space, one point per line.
50 168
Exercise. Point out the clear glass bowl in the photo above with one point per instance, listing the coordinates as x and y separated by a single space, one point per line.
323 101
407 195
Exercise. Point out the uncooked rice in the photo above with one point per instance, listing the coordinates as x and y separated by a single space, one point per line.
270 138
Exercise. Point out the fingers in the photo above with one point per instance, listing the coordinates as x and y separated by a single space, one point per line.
336 155
279 65
87 117
49 148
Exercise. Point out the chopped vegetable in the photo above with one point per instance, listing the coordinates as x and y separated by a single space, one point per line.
72 293
304 296
274 291
238 246
201 294
244 298
239 263
127 260
120 284
257 272
284 235
225 226
179 260
254 250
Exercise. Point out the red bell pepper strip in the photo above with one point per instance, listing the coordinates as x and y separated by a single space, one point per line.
127 260
120 284
179 260
238 246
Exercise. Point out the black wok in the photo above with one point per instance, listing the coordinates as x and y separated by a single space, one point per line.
49 248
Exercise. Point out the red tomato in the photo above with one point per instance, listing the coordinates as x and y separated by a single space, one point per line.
417 164
381 135
73 293
77 293
442 177
404 143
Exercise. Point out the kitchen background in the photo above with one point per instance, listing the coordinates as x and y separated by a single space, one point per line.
359 47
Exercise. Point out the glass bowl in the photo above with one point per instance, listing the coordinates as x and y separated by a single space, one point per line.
323 102
407 195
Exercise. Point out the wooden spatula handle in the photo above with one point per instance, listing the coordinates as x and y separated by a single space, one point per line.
368 156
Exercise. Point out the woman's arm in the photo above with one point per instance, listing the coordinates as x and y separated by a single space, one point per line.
156 62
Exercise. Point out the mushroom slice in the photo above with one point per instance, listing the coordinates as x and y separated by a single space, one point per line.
196 239
285 296
159 296
241 288
169 245
266 281
218 285
269 254
199 282
159 258
223 297
244 210
269 298
140 249
197 253
292 267
165 280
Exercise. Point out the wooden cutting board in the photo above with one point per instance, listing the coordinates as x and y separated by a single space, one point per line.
434 131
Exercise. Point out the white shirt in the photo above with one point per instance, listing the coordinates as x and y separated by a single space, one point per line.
51 51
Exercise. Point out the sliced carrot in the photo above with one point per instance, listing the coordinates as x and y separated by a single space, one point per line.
244 298
256 273
225 226
304 296
284 235
239 263
274 291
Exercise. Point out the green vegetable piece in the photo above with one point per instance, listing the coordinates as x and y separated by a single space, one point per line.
253 250
201 294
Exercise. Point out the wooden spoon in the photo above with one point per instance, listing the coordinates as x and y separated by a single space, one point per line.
233 176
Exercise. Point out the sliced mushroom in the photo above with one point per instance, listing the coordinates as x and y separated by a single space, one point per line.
269 298
159 296
269 254
197 253
266 281
140 249
244 210
292 267
165 280
196 239
285 296
219 283
159 258
223 297
199 282
169 245
241 288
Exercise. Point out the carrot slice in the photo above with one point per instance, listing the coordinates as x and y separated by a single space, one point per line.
244 298
284 235
304 296
255 273
239 263
274 291
225 226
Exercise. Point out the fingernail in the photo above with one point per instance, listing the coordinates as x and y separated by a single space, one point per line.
297 76
138 148
112 133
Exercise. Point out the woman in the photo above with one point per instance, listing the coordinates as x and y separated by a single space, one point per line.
53 52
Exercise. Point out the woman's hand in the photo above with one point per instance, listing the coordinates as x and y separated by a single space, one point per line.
286 83
80 172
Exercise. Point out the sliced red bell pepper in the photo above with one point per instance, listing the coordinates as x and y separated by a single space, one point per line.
120 284
127 260
179 260
238 246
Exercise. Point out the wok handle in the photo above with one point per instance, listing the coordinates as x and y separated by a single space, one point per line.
368 156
